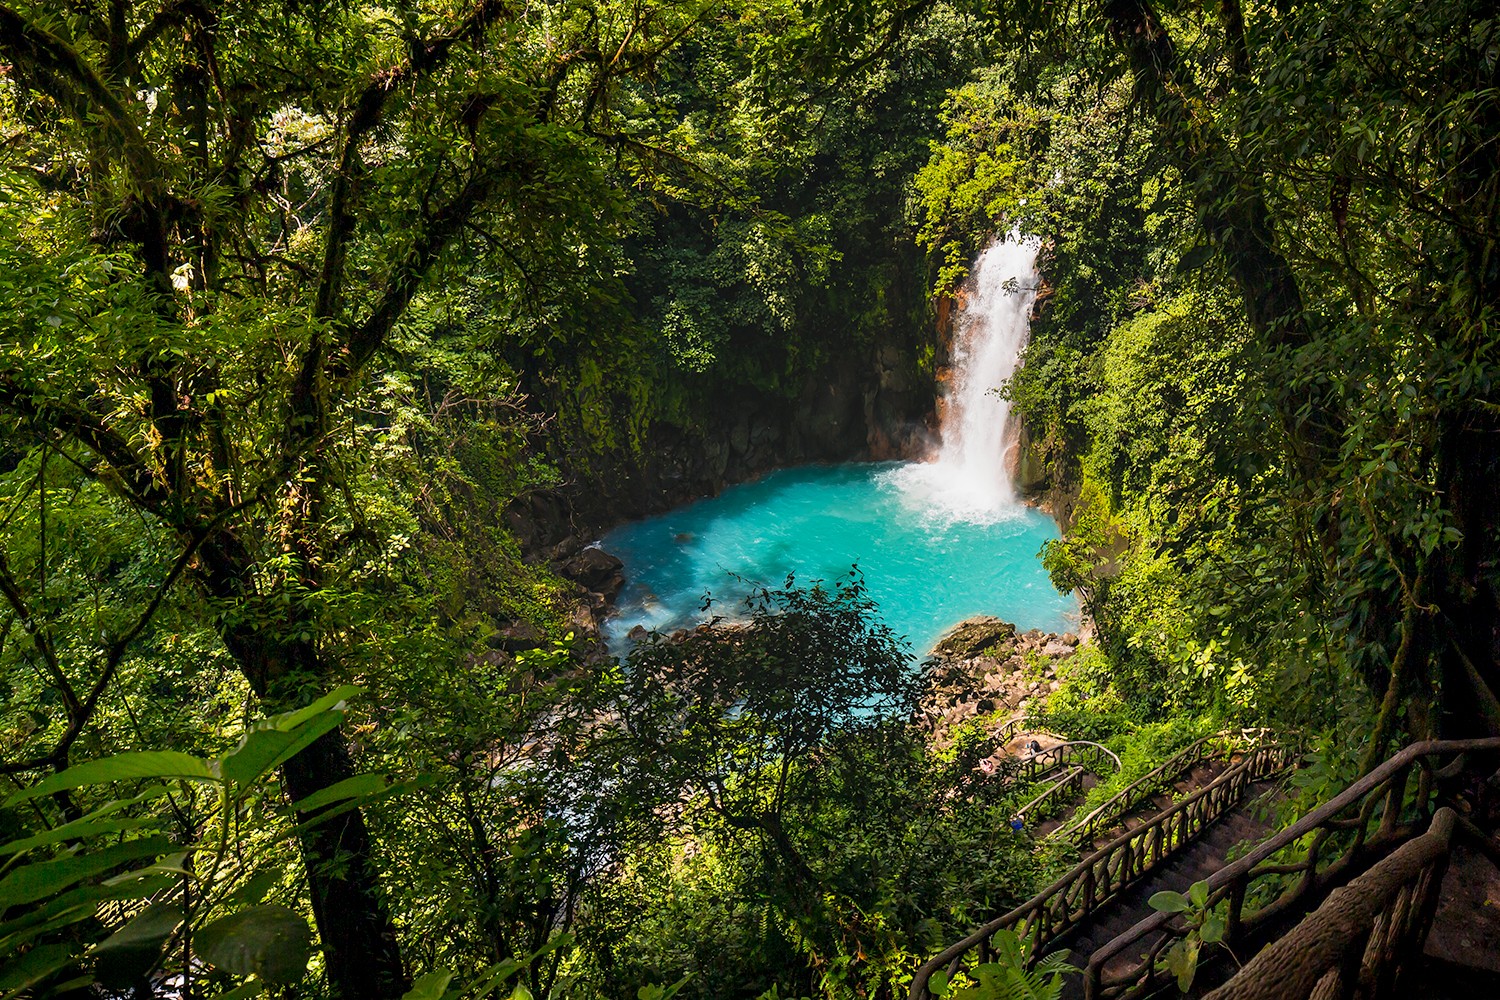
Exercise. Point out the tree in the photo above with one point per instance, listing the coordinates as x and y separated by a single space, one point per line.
732 715
224 214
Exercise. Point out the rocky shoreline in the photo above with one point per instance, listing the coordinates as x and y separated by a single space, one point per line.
984 666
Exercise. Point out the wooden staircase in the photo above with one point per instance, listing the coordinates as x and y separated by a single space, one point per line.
1273 886
1373 857
1194 863
1129 848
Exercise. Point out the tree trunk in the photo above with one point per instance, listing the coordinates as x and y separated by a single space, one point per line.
358 937
360 949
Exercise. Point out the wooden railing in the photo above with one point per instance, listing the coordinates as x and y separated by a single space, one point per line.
1215 748
1349 833
1012 729
1112 869
1076 753
1025 768
1068 785
1364 938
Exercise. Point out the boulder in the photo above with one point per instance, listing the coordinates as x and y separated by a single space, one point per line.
596 570
974 636
514 637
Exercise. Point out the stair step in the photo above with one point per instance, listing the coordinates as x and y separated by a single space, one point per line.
1194 863
1466 928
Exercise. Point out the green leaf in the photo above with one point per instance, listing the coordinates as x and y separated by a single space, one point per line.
146 930
77 830
270 942
263 750
1182 962
521 993
121 767
36 965
1194 259
72 907
339 807
432 986
359 786
88 826
1213 929
288 721
171 864
1198 893
937 983
253 988
1168 901
255 888
46 878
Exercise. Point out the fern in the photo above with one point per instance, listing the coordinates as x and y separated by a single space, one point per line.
1008 977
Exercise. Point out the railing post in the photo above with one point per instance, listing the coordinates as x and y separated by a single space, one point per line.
1236 908
1395 797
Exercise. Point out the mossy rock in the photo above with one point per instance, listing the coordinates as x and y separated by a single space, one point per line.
980 635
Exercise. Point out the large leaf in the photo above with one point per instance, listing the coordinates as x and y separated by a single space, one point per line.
121 767
270 942
36 965
362 786
263 750
288 721
432 986
91 825
340 805
358 787
72 907
1168 901
77 830
253 988
144 931
46 878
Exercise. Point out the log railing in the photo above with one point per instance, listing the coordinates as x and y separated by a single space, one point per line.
1025 768
1365 937
1112 869
1077 753
1067 785
1349 833
1216 748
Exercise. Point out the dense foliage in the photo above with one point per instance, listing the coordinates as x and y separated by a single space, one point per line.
306 305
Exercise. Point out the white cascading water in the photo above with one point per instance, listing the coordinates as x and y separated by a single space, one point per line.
969 478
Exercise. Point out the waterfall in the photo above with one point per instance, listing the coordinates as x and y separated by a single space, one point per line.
969 477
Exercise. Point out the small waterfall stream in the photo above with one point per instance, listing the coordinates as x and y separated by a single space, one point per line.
970 476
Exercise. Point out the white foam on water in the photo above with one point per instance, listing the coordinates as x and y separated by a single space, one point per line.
969 478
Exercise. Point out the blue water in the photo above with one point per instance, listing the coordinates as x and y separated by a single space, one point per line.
926 568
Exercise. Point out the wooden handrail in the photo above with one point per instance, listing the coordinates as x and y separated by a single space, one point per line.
1231 882
1115 867
1037 766
1071 781
1084 830
1374 923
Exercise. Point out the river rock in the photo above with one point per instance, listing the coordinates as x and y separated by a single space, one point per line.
597 570
973 637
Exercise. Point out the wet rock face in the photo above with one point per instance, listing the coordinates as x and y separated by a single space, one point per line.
983 665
